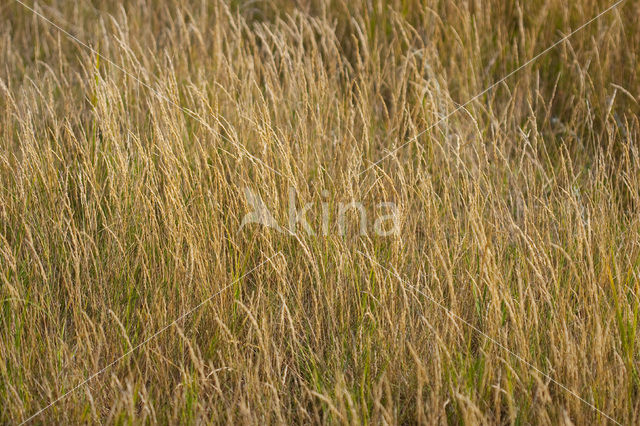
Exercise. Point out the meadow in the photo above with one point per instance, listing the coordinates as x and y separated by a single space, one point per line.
505 134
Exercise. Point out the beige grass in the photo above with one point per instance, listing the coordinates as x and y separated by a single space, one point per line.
120 211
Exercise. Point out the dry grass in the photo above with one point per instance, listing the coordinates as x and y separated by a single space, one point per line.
120 211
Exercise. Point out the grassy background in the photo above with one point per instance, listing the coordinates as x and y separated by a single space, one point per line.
120 211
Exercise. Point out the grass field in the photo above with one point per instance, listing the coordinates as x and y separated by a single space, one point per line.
503 288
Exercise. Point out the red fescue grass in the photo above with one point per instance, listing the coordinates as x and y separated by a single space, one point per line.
119 211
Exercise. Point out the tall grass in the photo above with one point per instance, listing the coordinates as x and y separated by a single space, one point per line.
120 211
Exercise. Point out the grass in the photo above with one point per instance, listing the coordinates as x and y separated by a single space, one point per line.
120 209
